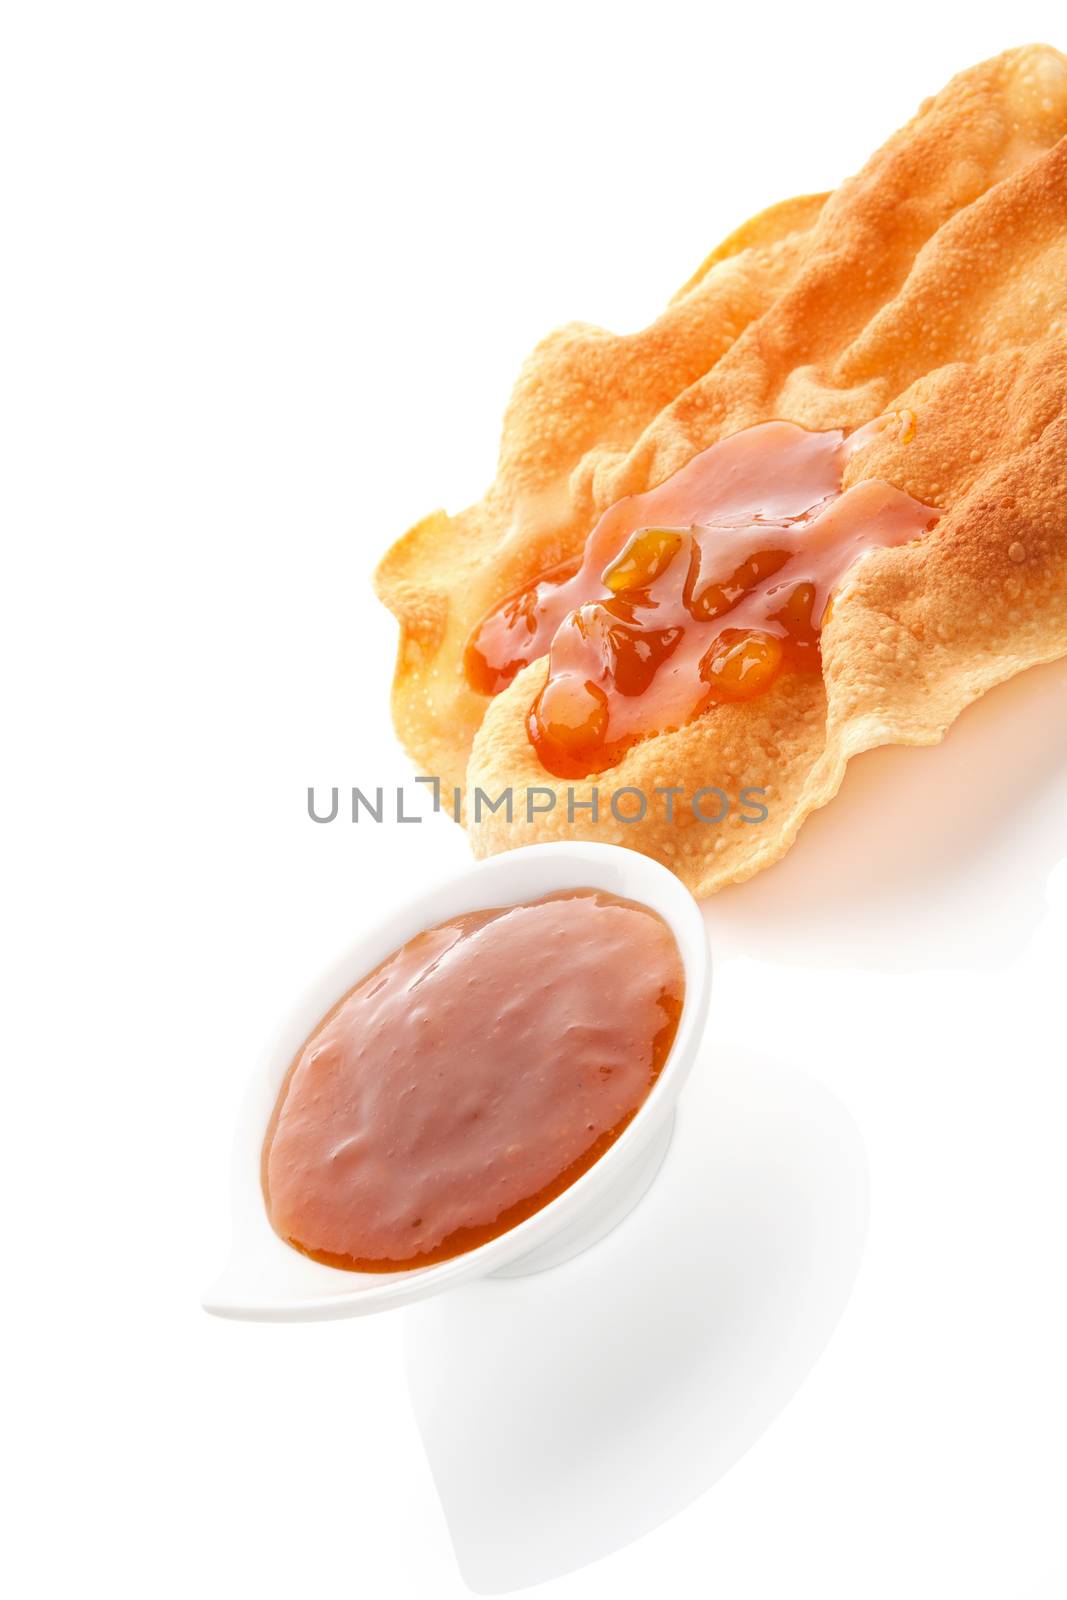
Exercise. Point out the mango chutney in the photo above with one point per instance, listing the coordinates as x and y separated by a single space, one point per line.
701 591
471 1078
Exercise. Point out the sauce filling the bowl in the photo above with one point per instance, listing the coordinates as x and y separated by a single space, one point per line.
469 1079
698 592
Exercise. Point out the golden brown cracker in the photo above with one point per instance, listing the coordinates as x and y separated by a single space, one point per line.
934 280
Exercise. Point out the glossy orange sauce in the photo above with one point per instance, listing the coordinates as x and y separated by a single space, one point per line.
471 1078
700 591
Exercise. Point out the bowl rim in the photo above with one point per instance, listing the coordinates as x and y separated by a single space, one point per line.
479 885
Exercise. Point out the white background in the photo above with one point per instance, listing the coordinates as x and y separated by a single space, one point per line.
269 271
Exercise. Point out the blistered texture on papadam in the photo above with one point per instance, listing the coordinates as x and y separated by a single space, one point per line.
934 281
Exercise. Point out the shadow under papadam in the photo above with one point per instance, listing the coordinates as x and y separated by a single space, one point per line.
937 856
568 1413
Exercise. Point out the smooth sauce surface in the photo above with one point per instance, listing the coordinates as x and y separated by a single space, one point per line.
699 591
469 1079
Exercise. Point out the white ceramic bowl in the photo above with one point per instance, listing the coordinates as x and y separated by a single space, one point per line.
265 1279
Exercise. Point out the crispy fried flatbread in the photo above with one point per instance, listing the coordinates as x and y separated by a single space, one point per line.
934 281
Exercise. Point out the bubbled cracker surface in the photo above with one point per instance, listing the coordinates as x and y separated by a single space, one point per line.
934 280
